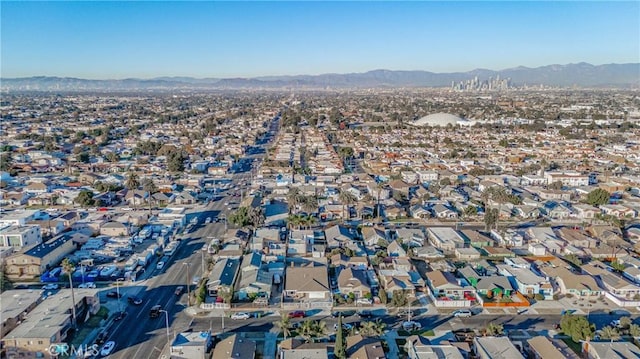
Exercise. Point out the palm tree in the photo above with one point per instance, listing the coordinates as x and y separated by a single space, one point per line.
306 330
69 268
284 324
347 198
294 198
310 204
372 328
634 330
132 184
294 220
610 333
150 187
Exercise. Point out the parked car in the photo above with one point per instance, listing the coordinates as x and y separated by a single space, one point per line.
365 314
134 300
107 348
462 313
615 323
240 316
411 325
87 285
160 265
114 294
120 316
208 220
51 286
364 301
195 280
296 314
345 313
179 290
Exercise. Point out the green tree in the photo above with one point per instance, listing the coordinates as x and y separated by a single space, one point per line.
85 198
347 199
150 188
370 328
504 142
382 294
598 197
494 329
113 157
132 182
634 330
340 350
5 283
470 211
84 157
284 325
69 268
610 333
625 322
574 259
6 161
618 266
399 298
490 218
577 327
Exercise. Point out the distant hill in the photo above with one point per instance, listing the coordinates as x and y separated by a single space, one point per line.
571 75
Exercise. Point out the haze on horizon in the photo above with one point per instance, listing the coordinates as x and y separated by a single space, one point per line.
111 40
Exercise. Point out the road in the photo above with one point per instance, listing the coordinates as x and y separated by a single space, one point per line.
137 335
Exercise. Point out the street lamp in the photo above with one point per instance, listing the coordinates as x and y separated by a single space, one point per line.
166 321
118 292
188 291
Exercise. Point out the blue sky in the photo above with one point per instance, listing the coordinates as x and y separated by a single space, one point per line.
245 39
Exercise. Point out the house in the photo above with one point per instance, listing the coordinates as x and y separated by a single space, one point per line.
443 212
616 285
191 345
37 260
276 213
394 249
526 281
20 237
419 211
541 347
411 237
301 242
337 236
268 240
234 346
49 323
114 229
445 238
373 235
495 348
16 304
359 347
354 281
585 211
393 280
576 238
307 284
610 350
253 279
223 276
184 197
419 347
567 282
475 238
445 290
467 253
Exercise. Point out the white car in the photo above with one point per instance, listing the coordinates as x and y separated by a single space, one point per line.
87 285
160 265
107 348
364 301
411 325
345 326
240 316
208 220
462 313
50 286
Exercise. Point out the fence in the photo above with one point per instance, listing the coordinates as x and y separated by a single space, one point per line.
522 302
621 302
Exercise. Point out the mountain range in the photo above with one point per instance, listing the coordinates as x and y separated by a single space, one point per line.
581 75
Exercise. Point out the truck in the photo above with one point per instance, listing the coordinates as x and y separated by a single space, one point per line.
145 258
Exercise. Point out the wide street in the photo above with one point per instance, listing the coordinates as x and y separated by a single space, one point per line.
138 335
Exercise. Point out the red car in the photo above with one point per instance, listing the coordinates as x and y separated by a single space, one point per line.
296 314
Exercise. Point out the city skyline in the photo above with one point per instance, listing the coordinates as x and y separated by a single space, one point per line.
111 40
